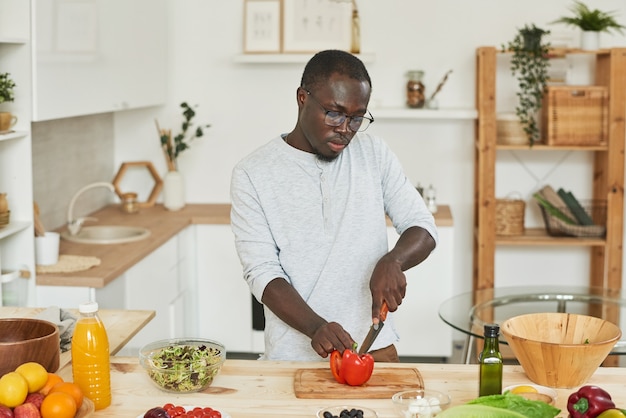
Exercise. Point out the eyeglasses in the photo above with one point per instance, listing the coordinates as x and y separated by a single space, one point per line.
334 118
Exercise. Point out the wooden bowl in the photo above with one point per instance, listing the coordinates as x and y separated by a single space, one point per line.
560 350
27 339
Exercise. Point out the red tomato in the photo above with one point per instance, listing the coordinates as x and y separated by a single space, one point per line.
168 406
215 414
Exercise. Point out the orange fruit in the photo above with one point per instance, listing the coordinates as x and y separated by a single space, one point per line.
35 374
53 379
71 389
58 405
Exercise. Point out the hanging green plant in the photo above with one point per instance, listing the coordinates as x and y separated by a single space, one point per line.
529 64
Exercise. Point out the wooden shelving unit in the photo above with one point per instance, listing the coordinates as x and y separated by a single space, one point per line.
608 182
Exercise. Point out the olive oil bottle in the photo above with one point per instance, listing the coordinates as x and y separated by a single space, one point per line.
490 361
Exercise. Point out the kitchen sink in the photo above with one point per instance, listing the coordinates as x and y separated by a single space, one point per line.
107 234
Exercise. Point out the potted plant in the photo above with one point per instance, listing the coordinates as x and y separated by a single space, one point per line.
530 63
6 95
173 194
6 88
591 22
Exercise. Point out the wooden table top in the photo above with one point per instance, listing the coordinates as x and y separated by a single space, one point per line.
121 325
254 388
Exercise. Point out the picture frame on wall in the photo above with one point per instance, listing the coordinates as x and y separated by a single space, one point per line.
315 25
262 26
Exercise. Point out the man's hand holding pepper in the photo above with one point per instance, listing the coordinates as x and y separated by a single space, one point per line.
329 337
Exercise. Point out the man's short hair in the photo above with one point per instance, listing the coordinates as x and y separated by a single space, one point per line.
325 63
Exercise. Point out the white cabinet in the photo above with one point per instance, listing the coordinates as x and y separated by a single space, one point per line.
16 238
225 304
98 56
422 332
163 281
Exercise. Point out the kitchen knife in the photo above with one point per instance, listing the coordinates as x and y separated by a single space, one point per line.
374 330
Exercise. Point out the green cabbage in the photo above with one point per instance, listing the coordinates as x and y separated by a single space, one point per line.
507 405
478 411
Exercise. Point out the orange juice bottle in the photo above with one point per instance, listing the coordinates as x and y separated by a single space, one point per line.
90 356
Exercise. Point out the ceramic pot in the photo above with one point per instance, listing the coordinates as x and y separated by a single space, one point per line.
589 40
173 191
4 204
7 121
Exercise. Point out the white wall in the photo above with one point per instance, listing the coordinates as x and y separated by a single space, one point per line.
249 104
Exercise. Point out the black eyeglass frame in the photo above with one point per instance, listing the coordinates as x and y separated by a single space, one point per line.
334 118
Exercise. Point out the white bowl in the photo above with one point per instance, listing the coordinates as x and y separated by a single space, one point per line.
420 403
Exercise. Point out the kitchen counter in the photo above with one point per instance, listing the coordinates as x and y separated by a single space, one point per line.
255 389
116 259
121 325
163 225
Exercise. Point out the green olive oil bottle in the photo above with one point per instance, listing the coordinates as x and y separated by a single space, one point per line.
490 361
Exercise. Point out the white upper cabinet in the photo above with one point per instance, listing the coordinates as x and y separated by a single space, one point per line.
96 56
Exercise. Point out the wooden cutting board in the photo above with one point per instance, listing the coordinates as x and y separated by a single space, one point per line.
320 384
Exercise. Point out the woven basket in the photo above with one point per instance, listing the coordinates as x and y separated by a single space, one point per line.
595 209
575 115
510 216
510 130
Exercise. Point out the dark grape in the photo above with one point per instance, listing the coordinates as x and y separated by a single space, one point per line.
156 413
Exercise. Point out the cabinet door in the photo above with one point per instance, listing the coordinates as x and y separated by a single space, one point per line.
98 56
153 284
422 332
224 308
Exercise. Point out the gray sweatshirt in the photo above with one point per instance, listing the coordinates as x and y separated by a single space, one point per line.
321 226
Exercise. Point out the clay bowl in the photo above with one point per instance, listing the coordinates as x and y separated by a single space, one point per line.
27 339
560 350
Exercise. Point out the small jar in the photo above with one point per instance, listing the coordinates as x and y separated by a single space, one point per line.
129 203
415 96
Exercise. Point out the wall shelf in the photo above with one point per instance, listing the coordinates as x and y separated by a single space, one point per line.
13 228
13 135
424 114
12 40
286 58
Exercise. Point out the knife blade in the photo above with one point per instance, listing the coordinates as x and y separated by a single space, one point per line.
374 330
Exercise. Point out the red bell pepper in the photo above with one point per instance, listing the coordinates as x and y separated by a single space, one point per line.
351 367
589 402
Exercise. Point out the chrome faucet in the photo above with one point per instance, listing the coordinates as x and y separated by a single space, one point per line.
74 225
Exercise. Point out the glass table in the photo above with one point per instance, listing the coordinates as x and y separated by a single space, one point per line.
469 312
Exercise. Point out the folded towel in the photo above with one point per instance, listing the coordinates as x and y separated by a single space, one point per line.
579 212
62 319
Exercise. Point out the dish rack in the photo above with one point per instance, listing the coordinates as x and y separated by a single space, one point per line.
558 227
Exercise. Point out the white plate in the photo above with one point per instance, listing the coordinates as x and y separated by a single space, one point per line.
336 410
190 407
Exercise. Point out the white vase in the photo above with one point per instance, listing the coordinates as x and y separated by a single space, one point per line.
173 191
589 40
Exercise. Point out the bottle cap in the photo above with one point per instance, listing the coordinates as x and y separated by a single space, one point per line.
88 307
492 330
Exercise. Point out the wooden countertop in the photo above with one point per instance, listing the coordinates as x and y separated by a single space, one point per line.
121 325
254 389
163 225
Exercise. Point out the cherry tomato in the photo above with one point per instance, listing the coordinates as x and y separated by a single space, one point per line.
215 414
168 406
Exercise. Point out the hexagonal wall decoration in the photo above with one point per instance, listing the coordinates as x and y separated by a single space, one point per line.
158 183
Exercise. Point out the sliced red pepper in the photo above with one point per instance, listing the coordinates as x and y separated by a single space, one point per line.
589 402
350 367
335 366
